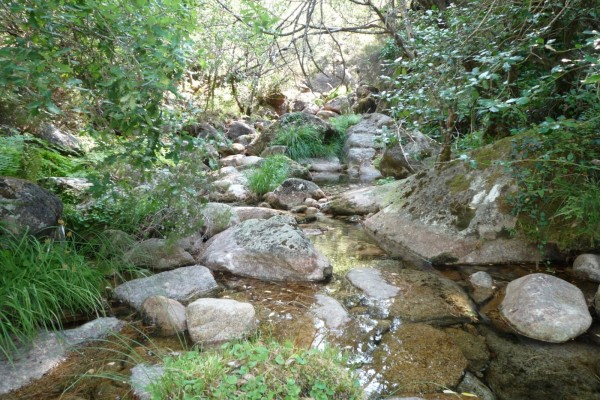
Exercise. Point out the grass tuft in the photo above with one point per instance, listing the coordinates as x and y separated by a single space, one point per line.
41 282
273 171
257 370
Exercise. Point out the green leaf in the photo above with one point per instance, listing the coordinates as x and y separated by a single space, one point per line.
51 107
592 79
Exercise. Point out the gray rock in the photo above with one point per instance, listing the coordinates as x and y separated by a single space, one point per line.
272 249
546 308
245 139
68 143
239 128
532 370
597 302
246 213
587 266
482 286
26 207
167 315
183 284
219 320
454 215
470 384
48 350
329 164
363 201
339 105
372 283
229 186
158 254
217 217
394 163
331 312
273 151
292 192
142 376
327 114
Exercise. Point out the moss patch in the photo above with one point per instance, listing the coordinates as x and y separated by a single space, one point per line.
458 184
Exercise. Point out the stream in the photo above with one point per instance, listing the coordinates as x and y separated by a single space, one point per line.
369 335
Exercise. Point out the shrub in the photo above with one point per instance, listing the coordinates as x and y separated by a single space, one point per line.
272 172
40 282
256 370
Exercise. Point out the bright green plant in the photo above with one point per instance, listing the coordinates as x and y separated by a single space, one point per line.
271 173
40 282
557 201
11 150
302 142
257 370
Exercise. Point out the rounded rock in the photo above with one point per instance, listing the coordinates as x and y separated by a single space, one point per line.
587 266
546 308
219 320
167 314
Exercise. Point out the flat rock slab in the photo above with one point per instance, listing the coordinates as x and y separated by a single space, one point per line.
331 312
183 284
274 249
49 350
219 320
419 358
372 283
546 308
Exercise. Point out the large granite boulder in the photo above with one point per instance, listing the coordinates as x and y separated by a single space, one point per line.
293 192
219 320
546 308
239 128
26 207
158 254
48 350
183 284
455 214
273 249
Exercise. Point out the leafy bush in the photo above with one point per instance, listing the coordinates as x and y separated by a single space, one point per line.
256 370
41 282
272 172
557 201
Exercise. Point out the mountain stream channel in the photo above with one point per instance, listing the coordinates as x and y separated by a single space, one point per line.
412 346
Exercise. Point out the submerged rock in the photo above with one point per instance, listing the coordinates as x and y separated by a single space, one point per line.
331 312
372 283
532 370
546 308
274 249
183 284
219 320
418 358
49 350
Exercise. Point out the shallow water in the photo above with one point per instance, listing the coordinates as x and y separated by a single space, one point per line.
284 310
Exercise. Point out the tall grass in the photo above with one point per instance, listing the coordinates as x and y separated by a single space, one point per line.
272 172
40 282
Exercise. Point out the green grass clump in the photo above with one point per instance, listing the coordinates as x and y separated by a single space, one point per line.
257 370
303 142
41 282
344 122
272 172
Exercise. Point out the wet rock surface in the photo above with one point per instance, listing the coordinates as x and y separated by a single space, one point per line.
49 350
419 358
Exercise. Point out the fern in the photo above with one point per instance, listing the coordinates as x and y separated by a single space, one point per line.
11 149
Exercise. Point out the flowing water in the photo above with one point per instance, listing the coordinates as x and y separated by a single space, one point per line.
284 310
